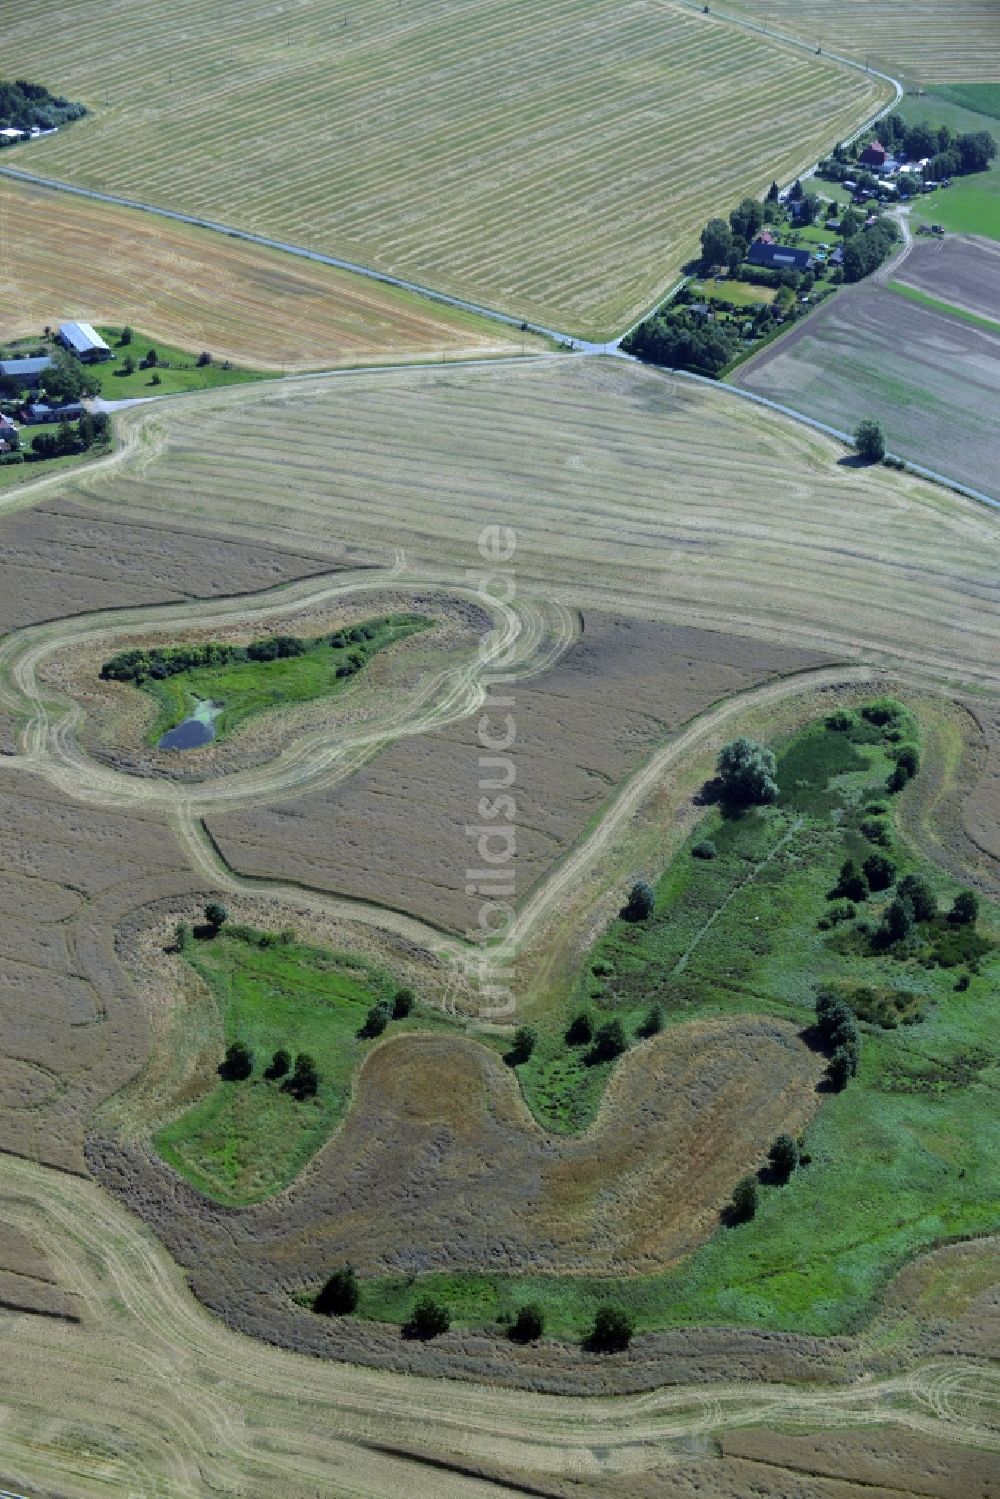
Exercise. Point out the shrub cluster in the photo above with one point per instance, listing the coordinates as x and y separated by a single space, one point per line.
27 106
137 665
865 252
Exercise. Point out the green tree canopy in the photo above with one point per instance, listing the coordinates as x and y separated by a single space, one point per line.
747 772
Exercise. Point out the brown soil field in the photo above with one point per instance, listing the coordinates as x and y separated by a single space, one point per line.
71 1031
117 715
923 42
412 1180
932 380
69 257
959 268
626 488
981 812
396 831
60 559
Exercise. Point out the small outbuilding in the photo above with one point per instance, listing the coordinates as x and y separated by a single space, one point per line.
83 341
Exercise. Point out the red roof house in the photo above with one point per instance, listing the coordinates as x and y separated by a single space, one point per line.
873 155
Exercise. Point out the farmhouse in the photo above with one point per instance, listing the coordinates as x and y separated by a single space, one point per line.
37 412
26 372
83 341
873 155
778 257
6 426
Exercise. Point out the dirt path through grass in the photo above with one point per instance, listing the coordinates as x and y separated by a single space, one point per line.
681 963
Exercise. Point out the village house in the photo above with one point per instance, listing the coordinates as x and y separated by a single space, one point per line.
873 156
38 411
778 257
27 372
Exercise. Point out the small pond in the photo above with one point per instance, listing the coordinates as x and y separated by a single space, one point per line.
193 732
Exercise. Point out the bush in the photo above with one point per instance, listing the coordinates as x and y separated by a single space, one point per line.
876 831
842 1067
916 890
784 1157
898 778
745 1200
898 923
216 914
204 358
840 720
965 909
704 850
879 871
609 1042
908 758
237 1064
528 1325
376 1020
521 1047
652 1023
851 883
339 1297
402 1004
304 1081
641 899
612 1331
428 1319
280 1064
747 773
869 440
580 1029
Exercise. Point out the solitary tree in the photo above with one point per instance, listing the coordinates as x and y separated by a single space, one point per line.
965 908
528 1325
238 1062
851 884
612 1330
784 1157
899 918
580 1030
428 1319
869 441
745 1199
842 1067
641 899
216 914
376 1020
746 771
339 1297
126 337
652 1023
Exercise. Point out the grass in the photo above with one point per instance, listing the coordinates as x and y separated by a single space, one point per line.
740 293
177 369
461 149
68 257
914 294
247 688
903 1159
13 474
978 98
245 1140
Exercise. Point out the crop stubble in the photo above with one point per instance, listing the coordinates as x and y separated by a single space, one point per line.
554 160
197 290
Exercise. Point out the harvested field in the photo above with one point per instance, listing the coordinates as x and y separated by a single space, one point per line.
556 161
27 1283
200 290
627 489
396 831
71 1030
926 42
931 379
960 269
294 1427
60 559
880 1460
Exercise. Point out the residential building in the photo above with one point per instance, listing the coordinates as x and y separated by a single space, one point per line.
38 411
778 257
27 372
